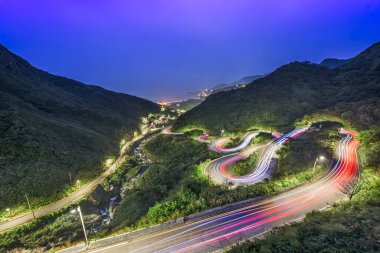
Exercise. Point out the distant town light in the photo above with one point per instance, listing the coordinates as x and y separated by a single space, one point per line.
164 103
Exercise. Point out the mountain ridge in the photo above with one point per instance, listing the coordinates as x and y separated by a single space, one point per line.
52 125
334 62
294 90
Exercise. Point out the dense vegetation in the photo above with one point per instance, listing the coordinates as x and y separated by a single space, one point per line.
61 227
51 125
175 186
43 233
301 154
245 166
370 147
175 158
350 92
302 92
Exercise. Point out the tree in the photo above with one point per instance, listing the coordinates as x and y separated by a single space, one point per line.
227 183
350 188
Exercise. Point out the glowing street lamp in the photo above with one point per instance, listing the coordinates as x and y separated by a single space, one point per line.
320 158
108 162
78 181
9 210
81 219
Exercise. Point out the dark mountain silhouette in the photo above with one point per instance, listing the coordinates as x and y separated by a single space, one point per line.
333 62
199 96
50 125
350 92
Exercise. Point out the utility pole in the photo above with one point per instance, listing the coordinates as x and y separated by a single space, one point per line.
30 207
315 163
84 229
81 219
71 181
320 158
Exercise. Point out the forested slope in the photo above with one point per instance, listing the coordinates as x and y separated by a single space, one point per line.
350 92
50 125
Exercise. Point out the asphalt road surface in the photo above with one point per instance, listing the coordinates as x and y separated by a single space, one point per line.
218 232
217 169
218 145
71 198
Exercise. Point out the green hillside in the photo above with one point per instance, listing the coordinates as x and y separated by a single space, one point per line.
50 125
302 92
350 92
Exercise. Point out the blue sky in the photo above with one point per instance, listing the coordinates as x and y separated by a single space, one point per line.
160 49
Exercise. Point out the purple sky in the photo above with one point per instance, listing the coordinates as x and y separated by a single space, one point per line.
160 49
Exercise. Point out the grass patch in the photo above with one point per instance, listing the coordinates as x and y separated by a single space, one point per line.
62 228
175 186
245 166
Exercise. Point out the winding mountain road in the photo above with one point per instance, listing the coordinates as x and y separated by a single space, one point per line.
217 169
83 191
168 131
217 232
218 145
203 137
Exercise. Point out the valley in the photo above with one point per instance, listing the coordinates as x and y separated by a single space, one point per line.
233 168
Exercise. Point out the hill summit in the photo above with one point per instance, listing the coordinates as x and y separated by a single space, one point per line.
350 92
51 126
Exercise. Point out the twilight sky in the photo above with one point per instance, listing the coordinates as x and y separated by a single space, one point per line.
160 49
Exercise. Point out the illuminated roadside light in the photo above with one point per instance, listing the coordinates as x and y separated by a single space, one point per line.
108 162
9 210
81 219
319 158
78 181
